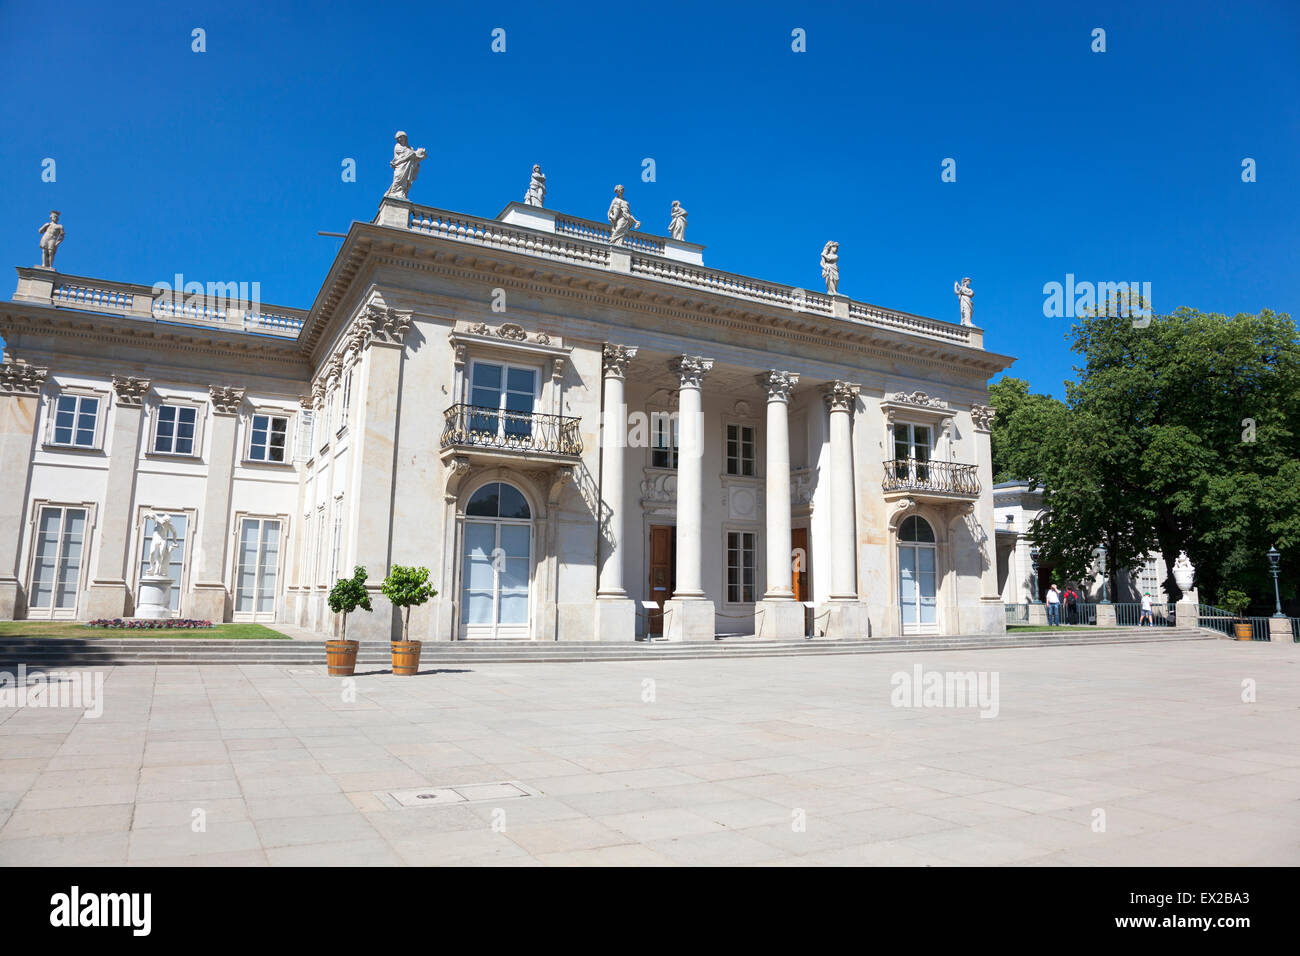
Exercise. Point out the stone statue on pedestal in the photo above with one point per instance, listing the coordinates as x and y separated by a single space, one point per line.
677 225
406 166
52 234
621 219
965 295
162 544
831 267
536 195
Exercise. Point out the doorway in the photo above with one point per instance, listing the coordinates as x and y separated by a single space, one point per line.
663 572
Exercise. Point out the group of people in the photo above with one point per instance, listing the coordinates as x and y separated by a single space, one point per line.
1063 607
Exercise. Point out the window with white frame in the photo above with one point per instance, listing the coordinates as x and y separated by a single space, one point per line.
740 567
56 563
740 450
345 399
76 420
912 450
318 558
336 542
504 398
266 438
664 445
1149 580
257 566
327 421
175 429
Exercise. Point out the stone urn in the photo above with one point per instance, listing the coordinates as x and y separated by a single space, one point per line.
1184 572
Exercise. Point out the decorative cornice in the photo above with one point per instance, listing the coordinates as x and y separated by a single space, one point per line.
513 332
130 390
920 399
225 399
617 359
778 385
690 369
982 416
19 378
841 396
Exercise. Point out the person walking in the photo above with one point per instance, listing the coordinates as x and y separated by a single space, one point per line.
1054 606
1146 619
1071 598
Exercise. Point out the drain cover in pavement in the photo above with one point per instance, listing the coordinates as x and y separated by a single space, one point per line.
464 793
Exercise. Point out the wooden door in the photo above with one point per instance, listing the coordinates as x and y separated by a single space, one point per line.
800 581
663 571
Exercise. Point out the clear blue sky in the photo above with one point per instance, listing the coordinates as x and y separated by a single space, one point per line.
1117 166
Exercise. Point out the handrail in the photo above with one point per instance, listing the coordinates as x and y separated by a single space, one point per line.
945 477
479 426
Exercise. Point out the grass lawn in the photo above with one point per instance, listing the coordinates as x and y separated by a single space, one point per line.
224 632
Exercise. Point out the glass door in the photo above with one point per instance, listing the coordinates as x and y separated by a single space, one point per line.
258 569
912 451
56 568
497 565
504 398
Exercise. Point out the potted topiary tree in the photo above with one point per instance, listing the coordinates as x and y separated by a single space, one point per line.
406 588
346 596
1234 602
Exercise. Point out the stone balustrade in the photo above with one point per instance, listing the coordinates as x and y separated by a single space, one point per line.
489 232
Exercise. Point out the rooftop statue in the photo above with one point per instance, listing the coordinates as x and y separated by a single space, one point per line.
536 195
406 166
965 294
52 234
677 225
621 219
831 267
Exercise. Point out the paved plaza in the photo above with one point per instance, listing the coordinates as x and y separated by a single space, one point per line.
1129 754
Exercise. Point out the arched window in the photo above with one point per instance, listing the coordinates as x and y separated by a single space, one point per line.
498 500
916 529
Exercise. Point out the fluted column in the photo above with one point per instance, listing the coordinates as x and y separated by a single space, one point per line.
844 615
110 595
613 451
20 399
778 615
689 615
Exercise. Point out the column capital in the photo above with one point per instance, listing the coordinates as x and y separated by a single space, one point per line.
690 369
130 390
379 325
616 359
225 399
840 396
778 385
982 416
19 378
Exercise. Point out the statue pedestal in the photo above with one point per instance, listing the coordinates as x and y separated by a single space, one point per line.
155 598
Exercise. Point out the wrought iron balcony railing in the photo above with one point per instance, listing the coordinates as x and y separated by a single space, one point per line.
478 426
938 477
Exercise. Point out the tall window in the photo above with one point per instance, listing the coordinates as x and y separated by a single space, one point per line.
60 534
912 450
1148 580
259 566
740 450
346 399
663 440
336 542
917 578
74 420
508 390
318 556
174 430
266 439
180 521
328 420
740 567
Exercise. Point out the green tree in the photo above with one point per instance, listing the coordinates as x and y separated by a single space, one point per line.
406 588
1025 431
348 594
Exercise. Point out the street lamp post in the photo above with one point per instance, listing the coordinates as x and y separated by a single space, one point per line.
1273 558
1033 560
1101 556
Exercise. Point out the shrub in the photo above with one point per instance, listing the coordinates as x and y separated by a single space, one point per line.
405 588
348 594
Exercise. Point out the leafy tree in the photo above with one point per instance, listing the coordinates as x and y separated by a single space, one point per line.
406 588
1025 431
348 594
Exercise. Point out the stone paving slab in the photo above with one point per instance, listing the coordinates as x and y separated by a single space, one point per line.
1175 754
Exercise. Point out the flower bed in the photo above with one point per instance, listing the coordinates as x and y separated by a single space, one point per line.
142 624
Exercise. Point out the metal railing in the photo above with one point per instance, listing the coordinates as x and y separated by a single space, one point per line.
1225 622
479 426
944 477
1130 615
1016 613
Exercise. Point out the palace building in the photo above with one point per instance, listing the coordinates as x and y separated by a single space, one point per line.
581 430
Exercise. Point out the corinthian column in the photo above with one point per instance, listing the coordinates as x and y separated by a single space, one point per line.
20 397
615 611
778 614
845 617
689 615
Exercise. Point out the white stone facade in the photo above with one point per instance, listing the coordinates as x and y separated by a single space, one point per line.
443 403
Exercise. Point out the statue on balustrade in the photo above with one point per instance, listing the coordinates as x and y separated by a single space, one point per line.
831 267
536 195
51 236
965 295
677 225
621 219
406 166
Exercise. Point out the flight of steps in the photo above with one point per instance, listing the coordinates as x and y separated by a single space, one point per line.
373 656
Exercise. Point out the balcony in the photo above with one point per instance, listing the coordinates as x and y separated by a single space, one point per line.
946 480
482 432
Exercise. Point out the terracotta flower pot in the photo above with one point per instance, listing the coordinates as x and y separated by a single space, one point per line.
406 658
1244 631
341 656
